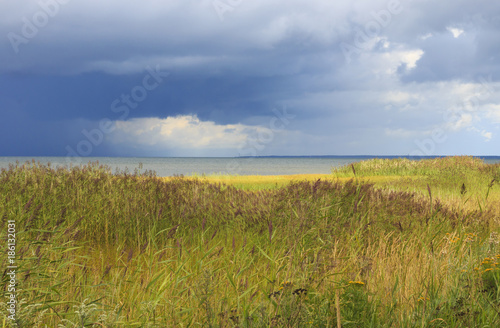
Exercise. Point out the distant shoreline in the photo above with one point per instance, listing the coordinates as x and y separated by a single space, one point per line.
269 156
190 166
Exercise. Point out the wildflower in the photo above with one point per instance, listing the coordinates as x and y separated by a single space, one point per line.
356 283
470 237
423 299
488 270
486 261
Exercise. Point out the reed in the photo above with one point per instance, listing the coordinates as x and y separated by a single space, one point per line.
97 249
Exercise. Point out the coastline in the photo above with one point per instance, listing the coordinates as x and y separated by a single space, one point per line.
208 166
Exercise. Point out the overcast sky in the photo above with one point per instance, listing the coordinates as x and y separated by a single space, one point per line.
249 77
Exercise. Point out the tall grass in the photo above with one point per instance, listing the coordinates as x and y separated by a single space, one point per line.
97 249
461 181
405 166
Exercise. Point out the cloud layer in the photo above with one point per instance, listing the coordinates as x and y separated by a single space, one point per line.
360 77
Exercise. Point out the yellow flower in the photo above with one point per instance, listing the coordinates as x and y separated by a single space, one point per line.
488 270
356 283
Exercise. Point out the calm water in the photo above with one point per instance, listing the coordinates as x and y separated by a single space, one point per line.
210 165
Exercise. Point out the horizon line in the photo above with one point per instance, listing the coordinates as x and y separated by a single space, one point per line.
262 156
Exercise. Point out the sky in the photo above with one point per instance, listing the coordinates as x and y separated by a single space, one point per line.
167 78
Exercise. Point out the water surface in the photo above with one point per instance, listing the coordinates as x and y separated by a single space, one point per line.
169 166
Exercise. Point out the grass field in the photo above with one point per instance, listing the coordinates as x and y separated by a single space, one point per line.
380 243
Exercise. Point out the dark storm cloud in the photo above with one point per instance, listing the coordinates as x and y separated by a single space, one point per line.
66 63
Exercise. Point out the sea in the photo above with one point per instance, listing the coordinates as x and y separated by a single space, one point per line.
192 166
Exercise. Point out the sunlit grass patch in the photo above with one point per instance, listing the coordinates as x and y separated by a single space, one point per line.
262 182
409 167
257 182
459 181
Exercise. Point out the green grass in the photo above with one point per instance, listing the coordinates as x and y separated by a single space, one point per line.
396 245
407 167
459 180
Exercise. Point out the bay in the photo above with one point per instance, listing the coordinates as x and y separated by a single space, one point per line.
170 166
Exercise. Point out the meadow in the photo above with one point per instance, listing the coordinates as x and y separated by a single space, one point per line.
379 243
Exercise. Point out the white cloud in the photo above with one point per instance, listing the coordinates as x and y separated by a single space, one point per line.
455 31
463 121
410 58
487 135
186 132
